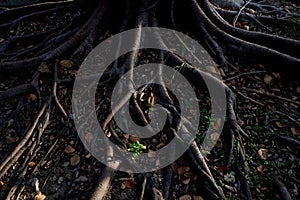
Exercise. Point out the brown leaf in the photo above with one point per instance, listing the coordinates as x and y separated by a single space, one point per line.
186 181
129 184
298 90
74 160
294 130
123 186
151 154
197 198
66 63
261 169
73 72
32 97
44 68
279 124
263 153
185 197
10 140
160 145
126 135
69 149
88 155
31 164
267 79
40 196
277 75
134 138
3 186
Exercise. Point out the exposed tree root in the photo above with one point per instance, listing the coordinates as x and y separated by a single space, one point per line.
282 191
224 41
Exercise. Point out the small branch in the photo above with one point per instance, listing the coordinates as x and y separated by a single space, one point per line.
54 92
23 142
244 74
250 99
239 13
271 95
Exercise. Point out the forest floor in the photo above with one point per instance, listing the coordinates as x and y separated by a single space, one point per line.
268 110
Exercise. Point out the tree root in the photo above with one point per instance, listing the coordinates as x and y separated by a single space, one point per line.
219 38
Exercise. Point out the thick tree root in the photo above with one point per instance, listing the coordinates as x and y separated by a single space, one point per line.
75 39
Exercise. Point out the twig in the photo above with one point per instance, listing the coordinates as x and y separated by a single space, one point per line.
240 11
54 92
271 95
143 188
25 139
244 74
250 99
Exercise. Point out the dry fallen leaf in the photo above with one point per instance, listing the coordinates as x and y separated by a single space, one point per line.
44 68
197 198
31 164
69 149
129 184
185 197
294 130
10 140
88 155
261 169
74 160
298 90
151 154
3 186
267 79
40 196
66 63
73 72
160 145
276 75
32 97
279 124
263 153
186 181
134 138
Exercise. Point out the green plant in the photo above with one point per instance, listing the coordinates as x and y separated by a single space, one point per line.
136 148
